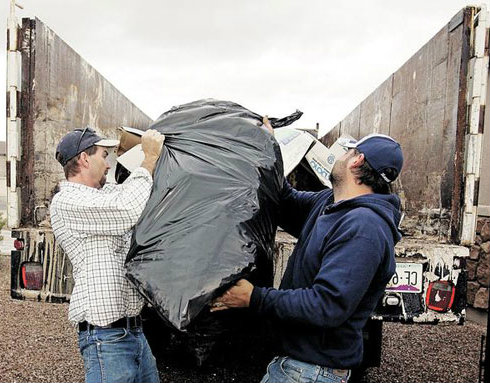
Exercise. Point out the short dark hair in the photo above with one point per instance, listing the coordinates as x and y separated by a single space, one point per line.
72 168
370 177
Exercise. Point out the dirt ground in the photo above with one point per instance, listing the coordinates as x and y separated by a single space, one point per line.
37 344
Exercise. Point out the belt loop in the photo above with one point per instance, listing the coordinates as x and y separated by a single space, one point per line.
128 323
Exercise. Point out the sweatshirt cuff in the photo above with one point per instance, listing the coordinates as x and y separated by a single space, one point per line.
255 299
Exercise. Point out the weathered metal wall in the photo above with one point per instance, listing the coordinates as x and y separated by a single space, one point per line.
60 92
423 106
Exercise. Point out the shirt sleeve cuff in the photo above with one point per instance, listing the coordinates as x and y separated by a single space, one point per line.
142 172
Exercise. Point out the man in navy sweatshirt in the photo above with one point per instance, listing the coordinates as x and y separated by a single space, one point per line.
338 270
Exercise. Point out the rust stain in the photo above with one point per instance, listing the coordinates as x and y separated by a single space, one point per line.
26 177
481 122
457 194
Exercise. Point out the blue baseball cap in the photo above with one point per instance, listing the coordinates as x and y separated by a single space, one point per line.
78 140
381 152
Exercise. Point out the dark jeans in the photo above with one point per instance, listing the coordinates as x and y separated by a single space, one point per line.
288 370
117 355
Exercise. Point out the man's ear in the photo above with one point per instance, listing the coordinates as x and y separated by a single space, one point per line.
357 161
83 160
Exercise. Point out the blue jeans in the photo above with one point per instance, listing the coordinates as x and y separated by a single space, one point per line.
117 355
288 370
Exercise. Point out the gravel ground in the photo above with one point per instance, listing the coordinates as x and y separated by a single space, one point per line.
37 344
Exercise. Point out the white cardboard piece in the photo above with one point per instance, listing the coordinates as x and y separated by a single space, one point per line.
133 158
294 145
321 159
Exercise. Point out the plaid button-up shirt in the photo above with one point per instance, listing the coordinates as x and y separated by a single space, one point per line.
94 227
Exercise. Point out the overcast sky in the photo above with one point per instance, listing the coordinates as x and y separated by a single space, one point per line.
273 57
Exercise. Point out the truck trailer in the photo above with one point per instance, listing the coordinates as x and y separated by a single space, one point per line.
51 91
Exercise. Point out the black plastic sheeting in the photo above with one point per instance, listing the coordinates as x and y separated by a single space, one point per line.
211 217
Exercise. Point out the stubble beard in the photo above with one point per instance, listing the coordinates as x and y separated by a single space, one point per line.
102 181
336 177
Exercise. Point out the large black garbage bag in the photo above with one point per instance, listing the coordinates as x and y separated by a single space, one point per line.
211 217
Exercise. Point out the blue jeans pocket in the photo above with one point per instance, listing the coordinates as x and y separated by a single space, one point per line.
112 335
282 370
83 340
265 378
290 370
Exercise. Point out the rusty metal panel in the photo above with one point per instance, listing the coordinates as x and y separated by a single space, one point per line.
417 121
25 178
455 120
376 110
423 106
63 92
350 124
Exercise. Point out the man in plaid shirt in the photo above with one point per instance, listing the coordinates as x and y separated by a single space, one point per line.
93 223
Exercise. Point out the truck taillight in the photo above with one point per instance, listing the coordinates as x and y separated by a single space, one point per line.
440 295
32 276
19 244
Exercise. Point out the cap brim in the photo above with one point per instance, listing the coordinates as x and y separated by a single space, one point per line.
107 143
347 142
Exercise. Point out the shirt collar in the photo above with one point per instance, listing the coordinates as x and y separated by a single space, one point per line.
75 185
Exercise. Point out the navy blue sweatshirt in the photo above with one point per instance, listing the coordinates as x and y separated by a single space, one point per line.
335 276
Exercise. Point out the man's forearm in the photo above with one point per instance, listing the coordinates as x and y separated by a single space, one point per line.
149 163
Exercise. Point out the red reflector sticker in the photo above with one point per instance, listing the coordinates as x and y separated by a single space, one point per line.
32 276
440 295
19 244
